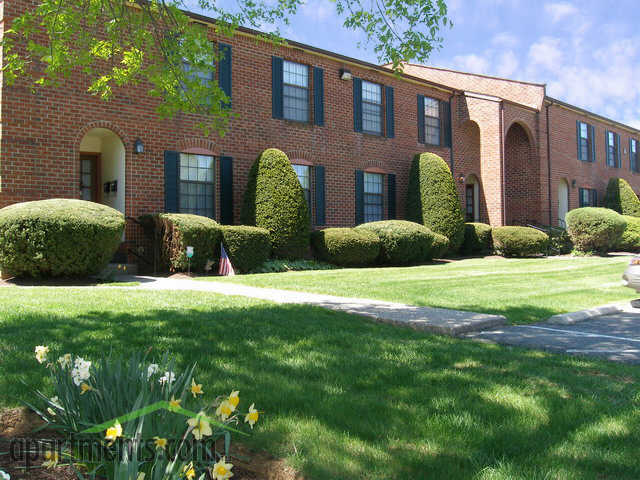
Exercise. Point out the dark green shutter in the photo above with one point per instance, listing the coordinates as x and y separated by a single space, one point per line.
593 143
594 198
579 140
359 197
320 203
581 197
389 112
421 119
224 71
445 123
618 152
318 96
357 104
171 177
277 73
226 190
391 193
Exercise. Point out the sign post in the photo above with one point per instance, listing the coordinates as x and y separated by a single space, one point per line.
189 255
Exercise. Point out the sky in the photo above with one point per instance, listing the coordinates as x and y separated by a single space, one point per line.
587 52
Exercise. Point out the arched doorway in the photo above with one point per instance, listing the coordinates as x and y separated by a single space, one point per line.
521 178
472 198
102 168
563 201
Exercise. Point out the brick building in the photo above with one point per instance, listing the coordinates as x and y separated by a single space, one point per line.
350 129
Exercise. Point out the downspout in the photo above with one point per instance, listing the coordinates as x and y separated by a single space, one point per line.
502 166
451 124
549 163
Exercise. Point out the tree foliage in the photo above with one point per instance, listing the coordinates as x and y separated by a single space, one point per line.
123 42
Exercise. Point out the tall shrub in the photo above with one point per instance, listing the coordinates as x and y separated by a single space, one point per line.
630 240
595 229
621 198
432 198
275 200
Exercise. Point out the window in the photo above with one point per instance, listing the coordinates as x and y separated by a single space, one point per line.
431 121
296 91
613 155
201 76
373 197
583 142
633 155
371 108
470 204
588 197
196 184
304 176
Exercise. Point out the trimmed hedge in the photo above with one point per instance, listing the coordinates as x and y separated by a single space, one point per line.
58 237
432 198
275 200
477 238
346 246
519 241
630 240
595 229
402 242
247 247
439 246
177 231
621 198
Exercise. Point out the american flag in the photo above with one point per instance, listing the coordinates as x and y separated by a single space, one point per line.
226 269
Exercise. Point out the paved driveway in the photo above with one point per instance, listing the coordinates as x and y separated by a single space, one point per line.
615 337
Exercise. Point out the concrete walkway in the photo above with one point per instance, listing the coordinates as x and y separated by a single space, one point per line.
436 320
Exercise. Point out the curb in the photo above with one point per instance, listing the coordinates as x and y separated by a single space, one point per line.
582 315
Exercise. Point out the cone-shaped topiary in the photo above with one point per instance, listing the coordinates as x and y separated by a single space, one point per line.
621 198
275 200
432 198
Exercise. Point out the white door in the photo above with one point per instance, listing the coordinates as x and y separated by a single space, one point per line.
563 201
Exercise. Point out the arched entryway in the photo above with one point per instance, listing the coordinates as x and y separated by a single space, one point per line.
563 201
102 168
521 177
472 198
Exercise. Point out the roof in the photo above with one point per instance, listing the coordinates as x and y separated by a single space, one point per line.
588 113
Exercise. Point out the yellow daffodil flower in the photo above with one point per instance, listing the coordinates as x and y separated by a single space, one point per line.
200 426
189 472
85 388
252 417
65 360
41 353
222 470
174 403
224 410
196 389
160 442
234 399
51 459
113 433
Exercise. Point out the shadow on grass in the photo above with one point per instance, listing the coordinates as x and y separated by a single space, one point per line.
347 398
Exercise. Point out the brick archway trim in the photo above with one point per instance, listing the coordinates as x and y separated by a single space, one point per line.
199 146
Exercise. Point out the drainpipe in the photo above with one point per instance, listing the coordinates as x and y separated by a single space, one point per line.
451 123
549 163
502 165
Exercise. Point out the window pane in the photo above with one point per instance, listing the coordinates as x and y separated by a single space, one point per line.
431 107
432 130
197 175
296 103
372 183
372 118
296 74
371 92
303 175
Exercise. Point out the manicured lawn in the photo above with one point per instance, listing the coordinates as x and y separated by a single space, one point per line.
346 398
524 290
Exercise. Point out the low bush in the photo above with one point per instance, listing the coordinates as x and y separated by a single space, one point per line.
279 266
439 246
58 237
346 246
477 238
559 241
402 242
177 231
630 240
519 241
595 230
247 247
621 198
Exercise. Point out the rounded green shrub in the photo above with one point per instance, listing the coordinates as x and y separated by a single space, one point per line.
58 237
247 247
402 242
519 241
346 246
439 246
477 238
630 240
594 229
432 198
621 198
275 200
177 231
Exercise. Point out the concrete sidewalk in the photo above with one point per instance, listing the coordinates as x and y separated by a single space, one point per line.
436 320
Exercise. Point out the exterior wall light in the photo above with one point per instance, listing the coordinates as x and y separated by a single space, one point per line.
461 179
138 146
345 74
573 184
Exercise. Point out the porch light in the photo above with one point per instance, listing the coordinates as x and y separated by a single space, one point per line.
461 179
138 146
345 74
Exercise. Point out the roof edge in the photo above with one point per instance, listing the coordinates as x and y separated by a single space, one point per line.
596 116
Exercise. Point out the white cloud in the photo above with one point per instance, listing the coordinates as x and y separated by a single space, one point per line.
547 52
471 63
560 10
505 39
318 11
507 64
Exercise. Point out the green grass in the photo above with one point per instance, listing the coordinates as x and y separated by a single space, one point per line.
346 398
524 290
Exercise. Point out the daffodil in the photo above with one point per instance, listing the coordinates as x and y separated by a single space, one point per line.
152 369
113 433
168 377
84 387
200 426
174 403
189 472
224 410
65 360
80 371
4 475
234 399
252 417
196 389
222 470
51 459
160 442
41 353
